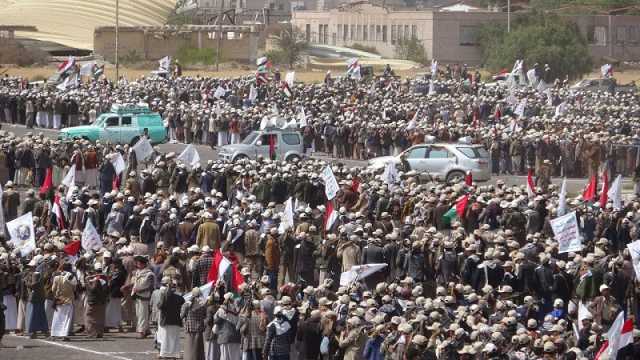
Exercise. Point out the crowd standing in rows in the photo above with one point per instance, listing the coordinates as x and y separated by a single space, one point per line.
490 284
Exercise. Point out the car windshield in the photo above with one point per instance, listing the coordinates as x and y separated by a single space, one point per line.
100 120
473 152
250 138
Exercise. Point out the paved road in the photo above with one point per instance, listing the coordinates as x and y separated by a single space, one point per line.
574 186
112 347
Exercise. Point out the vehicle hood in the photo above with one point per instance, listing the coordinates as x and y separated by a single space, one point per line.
80 129
75 130
232 148
382 161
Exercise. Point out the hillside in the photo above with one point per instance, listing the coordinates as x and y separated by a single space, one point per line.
71 22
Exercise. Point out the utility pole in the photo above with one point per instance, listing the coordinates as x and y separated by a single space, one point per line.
117 38
508 15
220 18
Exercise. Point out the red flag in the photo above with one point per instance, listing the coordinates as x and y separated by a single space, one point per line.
330 216
57 212
623 332
589 193
604 197
226 270
48 182
115 184
72 248
355 184
531 189
461 206
468 179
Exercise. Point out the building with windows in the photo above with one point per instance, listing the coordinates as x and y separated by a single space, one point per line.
449 34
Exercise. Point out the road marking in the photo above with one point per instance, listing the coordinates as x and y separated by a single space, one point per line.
77 348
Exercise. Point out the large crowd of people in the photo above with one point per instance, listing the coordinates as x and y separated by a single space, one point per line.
251 260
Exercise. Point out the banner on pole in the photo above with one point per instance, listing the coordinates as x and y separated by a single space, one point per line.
331 187
566 232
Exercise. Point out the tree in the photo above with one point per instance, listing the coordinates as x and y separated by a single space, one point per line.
291 44
411 49
537 38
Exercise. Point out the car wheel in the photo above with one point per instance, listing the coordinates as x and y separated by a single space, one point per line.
293 158
455 177
240 157
134 141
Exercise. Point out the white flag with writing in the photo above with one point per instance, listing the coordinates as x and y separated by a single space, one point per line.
22 234
190 157
118 163
615 193
143 149
90 238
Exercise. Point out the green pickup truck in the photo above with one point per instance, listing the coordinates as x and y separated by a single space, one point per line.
123 124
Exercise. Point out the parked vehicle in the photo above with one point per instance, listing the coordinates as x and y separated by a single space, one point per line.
606 84
443 161
287 145
123 124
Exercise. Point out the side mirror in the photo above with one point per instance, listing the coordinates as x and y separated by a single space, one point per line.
259 142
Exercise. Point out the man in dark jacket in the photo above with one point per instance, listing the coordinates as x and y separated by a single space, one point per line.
310 335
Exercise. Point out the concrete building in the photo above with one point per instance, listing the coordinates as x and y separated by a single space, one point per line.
449 34
239 42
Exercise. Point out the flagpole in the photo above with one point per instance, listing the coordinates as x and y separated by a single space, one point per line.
117 38
220 17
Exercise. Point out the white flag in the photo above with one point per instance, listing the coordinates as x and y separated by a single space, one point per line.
190 157
22 234
90 238
434 68
520 108
613 338
290 78
165 64
302 117
87 69
359 272
70 179
331 187
287 217
143 149
220 92
432 88
615 193
562 202
583 312
118 163
390 175
634 252
253 93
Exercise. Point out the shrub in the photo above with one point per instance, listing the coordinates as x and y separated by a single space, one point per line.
361 47
194 56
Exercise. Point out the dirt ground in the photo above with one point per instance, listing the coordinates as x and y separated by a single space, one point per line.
39 73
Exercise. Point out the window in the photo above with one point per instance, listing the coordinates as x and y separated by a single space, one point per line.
352 33
265 139
291 139
112 121
126 121
439 153
372 32
339 31
378 32
365 34
417 153
597 35
384 33
633 34
621 34
406 36
414 31
468 35
358 32
393 34
345 33
473 152
308 32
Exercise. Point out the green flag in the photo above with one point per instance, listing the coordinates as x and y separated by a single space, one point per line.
449 216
